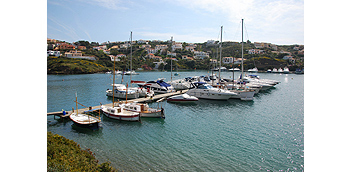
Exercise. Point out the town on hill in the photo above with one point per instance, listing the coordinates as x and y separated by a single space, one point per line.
83 57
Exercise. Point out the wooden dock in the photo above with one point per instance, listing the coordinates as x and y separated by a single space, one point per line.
139 100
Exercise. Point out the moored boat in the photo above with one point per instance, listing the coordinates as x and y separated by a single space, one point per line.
205 91
144 110
120 91
120 114
183 98
84 120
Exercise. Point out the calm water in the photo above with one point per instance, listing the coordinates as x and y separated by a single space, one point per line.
266 134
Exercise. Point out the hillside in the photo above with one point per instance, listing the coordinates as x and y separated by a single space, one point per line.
63 65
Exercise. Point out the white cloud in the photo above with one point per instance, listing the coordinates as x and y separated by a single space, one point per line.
110 4
261 17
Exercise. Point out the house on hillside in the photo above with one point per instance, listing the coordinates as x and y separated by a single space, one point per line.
256 51
64 46
53 53
200 55
112 57
176 46
227 60
77 54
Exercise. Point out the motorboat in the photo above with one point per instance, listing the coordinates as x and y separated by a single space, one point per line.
143 92
180 84
286 70
268 71
253 80
183 98
274 70
131 73
120 113
280 70
205 91
144 110
120 92
243 93
235 69
254 70
158 86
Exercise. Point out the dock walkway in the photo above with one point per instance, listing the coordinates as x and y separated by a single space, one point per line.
139 100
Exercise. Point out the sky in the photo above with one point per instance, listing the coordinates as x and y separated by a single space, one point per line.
279 22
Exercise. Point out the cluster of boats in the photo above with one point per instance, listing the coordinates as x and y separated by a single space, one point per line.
199 87
285 70
123 73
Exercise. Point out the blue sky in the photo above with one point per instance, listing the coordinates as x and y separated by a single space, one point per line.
280 21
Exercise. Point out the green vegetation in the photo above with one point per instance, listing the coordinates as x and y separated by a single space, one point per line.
62 65
103 63
66 155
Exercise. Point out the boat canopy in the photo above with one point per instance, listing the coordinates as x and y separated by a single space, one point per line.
162 83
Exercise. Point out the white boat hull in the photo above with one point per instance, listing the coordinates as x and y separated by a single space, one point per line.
122 116
210 95
183 98
244 95
122 95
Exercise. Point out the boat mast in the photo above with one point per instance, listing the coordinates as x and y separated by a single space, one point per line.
76 105
171 59
113 86
220 55
131 61
242 54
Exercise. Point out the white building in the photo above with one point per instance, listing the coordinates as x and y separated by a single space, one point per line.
160 47
151 50
200 55
256 51
176 46
227 60
53 53
112 57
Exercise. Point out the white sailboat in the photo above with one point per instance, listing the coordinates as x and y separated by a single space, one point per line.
118 112
84 120
242 92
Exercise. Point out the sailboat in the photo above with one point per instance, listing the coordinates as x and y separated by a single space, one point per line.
117 112
241 91
84 120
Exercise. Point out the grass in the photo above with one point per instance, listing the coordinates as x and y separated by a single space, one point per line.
66 155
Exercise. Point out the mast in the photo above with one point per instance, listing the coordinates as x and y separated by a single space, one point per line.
242 53
171 69
76 105
220 55
113 86
131 60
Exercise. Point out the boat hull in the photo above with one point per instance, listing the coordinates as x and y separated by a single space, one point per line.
84 121
121 117
211 96
122 95
243 95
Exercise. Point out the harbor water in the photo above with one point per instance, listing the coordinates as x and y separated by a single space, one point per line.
266 134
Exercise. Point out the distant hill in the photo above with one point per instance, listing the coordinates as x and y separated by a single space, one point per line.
63 65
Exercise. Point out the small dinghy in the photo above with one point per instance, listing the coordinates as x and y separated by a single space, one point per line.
182 98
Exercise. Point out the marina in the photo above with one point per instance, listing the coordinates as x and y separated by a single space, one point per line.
266 133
